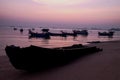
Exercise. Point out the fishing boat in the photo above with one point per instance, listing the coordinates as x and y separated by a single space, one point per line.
110 33
82 32
39 58
45 30
115 29
69 34
45 35
58 34
61 34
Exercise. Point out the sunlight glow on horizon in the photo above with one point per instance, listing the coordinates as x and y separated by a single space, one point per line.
60 2
76 11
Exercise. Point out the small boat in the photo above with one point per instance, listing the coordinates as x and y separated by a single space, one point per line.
21 30
14 29
110 33
39 35
56 34
63 34
69 34
45 30
82 32
39 58
115 29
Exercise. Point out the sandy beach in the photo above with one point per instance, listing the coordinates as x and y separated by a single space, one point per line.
103 65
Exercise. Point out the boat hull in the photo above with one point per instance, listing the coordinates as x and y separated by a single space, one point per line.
39 35
105 33
37 58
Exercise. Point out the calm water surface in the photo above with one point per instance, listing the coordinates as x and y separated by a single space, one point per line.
10 37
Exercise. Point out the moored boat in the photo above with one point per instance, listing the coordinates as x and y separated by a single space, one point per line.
106 33
115 29
14 29
82 32
39 35
21 30
38 58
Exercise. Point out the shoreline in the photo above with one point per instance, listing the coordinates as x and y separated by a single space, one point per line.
99 66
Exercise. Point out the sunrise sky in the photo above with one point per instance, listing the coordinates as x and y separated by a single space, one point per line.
67 11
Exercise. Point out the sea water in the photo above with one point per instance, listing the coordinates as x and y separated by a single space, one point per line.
8 36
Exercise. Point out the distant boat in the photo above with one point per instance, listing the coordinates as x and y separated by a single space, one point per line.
39 58
106 33
54 34
57 34
38 35
14 29
69 34
63 34
45 34
45 30
82 32
33 29
21 30
115 29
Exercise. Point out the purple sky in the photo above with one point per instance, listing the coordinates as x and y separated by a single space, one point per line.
66 11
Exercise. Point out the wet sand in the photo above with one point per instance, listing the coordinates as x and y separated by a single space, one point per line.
103 65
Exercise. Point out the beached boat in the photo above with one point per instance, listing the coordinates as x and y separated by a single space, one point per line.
39 58
106 33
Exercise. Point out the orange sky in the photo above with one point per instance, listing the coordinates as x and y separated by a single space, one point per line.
70 11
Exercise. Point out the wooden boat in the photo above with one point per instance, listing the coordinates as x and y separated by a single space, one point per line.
58 34
38 58
63 34
39 35
105 33
45 30
82 32
46 35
